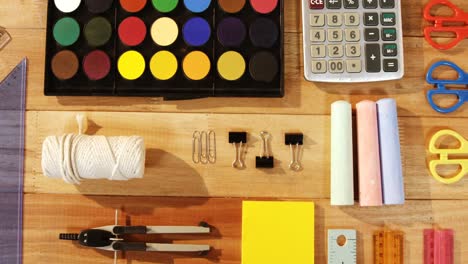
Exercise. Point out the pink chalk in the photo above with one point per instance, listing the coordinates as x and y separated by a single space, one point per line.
370 180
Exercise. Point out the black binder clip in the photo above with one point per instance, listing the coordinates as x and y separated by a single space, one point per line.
239 140
295 141
265 160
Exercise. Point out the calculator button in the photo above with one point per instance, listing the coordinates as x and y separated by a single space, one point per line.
370 4
390 65
371 34
353 34
335 51
389 34
371 19
390 50
317 35
353 50
334 4
334 19
316 4
335 35
387 3
388 19
317 20
351 4
318 51
319 66
353 66
336 66
352 19
373 63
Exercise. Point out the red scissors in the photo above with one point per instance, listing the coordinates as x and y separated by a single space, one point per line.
445 24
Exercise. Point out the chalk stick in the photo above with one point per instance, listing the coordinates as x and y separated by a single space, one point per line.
341 170
390 154
370 183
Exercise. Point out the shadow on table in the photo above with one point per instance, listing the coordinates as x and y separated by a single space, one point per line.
165 174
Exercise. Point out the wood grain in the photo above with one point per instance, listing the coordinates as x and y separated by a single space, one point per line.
52 207
49 215
171 172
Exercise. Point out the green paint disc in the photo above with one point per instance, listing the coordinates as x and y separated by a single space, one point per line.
98 31
165 6
66 31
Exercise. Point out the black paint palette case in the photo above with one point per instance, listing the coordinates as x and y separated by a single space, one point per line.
176 49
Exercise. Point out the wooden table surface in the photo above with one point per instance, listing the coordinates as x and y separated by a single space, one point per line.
163 196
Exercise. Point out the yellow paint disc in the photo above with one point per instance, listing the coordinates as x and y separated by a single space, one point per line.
196 65
164 31
131 65
231 66
163 65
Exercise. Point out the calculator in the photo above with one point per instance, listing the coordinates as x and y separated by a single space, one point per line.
352 40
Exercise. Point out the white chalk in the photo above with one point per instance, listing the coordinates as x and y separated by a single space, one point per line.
341 171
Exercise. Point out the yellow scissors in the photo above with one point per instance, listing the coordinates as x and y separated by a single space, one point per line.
444 158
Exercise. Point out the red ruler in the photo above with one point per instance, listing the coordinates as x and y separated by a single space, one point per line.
438 246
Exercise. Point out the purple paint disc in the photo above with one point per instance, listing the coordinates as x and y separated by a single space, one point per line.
231 32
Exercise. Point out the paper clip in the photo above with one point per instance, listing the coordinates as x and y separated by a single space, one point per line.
441 88
265 160
238 139
204 147
295 141
444 24
444 156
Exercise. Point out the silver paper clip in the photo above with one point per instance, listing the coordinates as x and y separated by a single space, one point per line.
204 147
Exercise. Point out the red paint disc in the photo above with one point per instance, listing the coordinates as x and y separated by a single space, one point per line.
132 31
96 65
264 6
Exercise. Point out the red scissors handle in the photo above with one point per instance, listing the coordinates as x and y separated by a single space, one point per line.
461 33
459 16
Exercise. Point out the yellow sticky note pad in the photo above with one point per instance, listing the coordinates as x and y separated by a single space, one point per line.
278 232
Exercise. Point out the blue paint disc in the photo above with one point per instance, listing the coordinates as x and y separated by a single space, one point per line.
197 6
196 32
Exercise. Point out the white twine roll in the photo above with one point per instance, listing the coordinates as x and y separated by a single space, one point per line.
76 157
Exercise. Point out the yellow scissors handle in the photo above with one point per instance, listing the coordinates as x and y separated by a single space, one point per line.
463 149
448 180
444 156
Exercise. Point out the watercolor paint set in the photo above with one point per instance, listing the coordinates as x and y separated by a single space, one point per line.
176 49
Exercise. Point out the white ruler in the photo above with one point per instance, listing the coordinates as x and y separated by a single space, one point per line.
342 246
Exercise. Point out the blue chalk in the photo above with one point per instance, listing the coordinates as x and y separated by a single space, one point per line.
390 153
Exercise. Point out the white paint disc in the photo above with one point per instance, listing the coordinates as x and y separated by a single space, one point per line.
67 6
